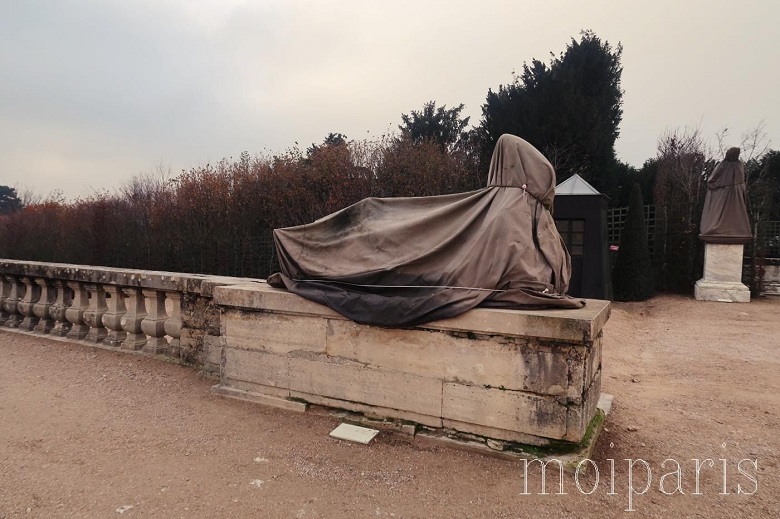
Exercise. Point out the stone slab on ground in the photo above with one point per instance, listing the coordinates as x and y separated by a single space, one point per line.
354 433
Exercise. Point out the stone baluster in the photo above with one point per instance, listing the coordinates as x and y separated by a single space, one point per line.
58 308
153 324
5 290
42 307
112 319
27 304
75 313
11 303
94 314
131 321
174 323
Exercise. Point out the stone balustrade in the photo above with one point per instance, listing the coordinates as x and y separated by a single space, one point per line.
152 312
508 376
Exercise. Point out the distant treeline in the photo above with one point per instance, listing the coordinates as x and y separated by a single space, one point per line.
217 219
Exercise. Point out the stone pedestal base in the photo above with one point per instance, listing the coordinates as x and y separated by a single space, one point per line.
772 278
530 377
722 279
721 291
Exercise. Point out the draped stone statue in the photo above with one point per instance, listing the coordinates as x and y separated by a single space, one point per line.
725 217
725 228
407 261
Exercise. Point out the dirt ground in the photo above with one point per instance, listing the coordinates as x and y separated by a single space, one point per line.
87 432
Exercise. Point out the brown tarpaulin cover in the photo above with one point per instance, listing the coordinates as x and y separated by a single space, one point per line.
724 218
406 261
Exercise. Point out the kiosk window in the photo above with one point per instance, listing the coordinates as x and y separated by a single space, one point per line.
573 234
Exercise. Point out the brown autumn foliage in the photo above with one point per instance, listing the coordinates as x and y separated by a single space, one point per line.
218 218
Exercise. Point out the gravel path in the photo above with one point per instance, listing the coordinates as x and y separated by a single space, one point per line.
87 432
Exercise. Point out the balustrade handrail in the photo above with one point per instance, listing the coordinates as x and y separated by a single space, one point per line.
161 280
150 311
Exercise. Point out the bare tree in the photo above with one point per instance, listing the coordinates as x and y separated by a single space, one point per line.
754 143
684 158
27 195
561 156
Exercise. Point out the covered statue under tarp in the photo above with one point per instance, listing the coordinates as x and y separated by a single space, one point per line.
725 218
406 261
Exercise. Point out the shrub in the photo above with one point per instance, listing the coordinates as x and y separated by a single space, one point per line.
633 278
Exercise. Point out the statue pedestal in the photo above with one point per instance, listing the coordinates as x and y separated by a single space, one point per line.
722 279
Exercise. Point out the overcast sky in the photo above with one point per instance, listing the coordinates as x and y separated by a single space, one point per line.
95 92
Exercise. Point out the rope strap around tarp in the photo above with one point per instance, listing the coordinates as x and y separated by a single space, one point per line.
403 286
397 286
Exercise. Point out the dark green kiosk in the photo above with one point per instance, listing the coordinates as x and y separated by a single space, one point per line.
580 214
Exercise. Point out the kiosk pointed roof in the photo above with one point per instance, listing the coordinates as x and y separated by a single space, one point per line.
575 185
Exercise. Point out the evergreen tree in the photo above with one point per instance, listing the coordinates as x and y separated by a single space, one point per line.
570 110
9 200
633 278
444 126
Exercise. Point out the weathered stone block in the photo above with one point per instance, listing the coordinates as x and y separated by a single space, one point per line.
277 333
191 346
578 417
213 347
429 354
262 296
193 311
492 432
370 411
257 367
509 362
363 384
277 392
501 409
575 326
593 364
259 398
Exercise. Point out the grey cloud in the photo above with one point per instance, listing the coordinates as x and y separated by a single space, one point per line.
94 92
